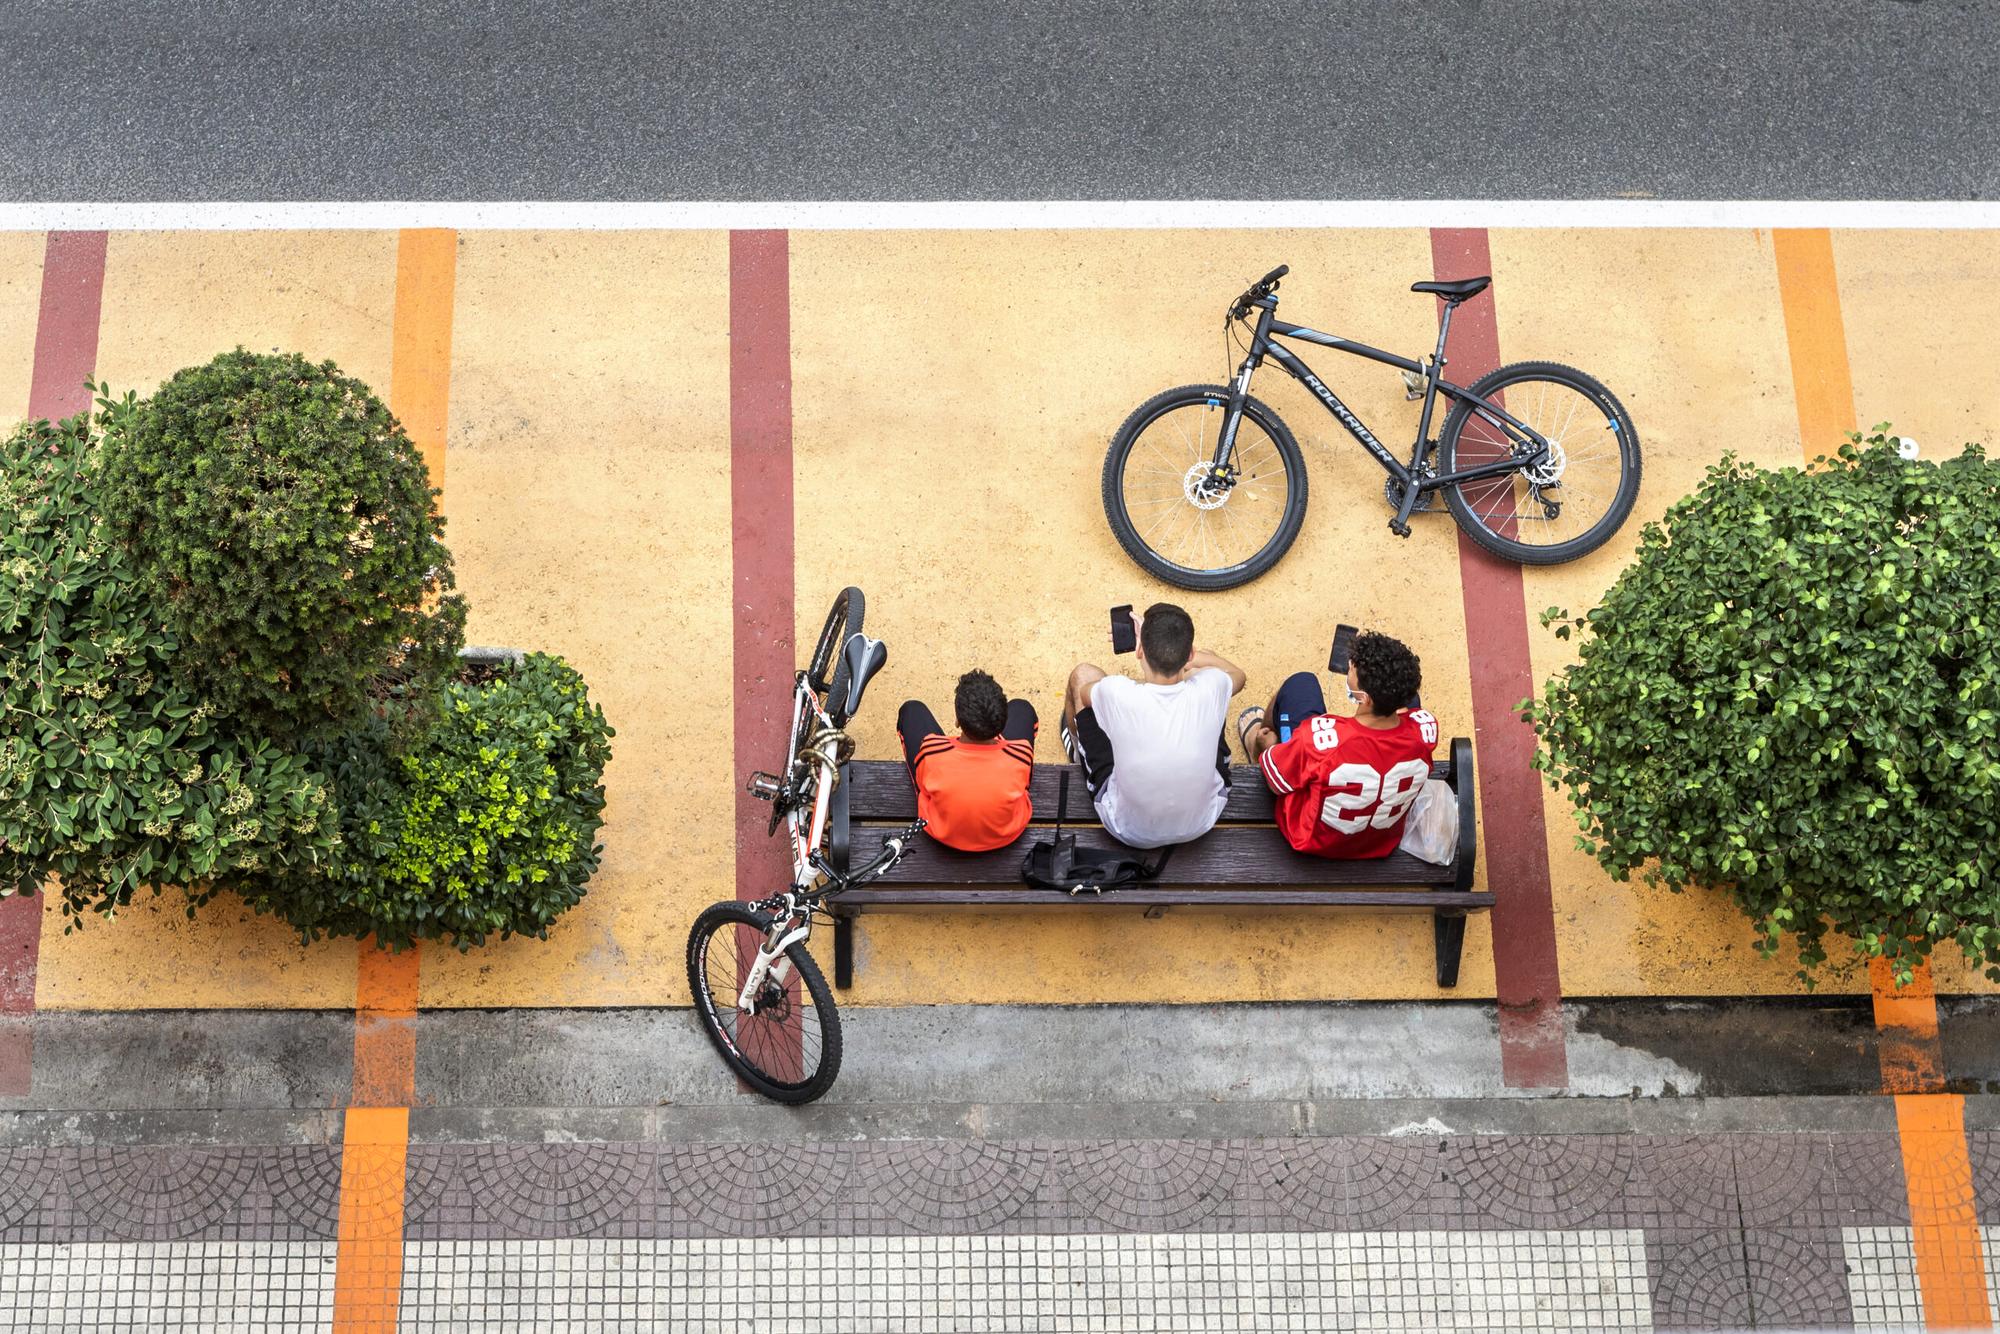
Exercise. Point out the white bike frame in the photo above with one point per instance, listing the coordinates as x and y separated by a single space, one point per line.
793 926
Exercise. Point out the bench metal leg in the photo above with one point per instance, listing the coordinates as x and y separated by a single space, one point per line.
1448 930
843 950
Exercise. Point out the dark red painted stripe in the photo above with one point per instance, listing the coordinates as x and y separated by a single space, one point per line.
1526 977
66 331
760 525
65 356
761 546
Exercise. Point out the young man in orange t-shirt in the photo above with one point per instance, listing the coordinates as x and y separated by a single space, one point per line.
973 787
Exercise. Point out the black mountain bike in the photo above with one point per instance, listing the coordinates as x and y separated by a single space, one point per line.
760 997
1206 488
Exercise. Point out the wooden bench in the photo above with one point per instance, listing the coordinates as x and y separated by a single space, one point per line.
1242 863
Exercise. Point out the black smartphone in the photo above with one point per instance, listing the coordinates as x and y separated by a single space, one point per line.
1343 644
1123 637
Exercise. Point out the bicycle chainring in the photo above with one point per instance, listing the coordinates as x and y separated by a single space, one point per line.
1392 491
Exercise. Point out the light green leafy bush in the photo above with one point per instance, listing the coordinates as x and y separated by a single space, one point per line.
1793 695
479 820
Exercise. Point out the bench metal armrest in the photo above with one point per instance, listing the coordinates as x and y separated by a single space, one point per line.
1468 815
839 824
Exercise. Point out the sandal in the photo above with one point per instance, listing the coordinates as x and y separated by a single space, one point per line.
1250 718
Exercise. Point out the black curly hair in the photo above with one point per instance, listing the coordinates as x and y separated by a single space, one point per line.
981 706
1387 670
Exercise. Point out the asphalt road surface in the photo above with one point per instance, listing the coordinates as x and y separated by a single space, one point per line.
834 99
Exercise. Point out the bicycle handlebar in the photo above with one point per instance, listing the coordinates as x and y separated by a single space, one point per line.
1258 290
893 848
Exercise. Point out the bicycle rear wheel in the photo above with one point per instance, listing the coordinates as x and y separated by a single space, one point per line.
788 1049
1571 504
1167 515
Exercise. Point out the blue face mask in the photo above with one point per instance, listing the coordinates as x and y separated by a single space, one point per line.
1355 699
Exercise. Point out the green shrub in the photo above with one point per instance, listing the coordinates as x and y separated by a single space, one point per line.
113 773
1793 695
283 521
485 823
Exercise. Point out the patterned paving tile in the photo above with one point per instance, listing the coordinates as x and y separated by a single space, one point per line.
559 1190
25 1178
952 1186
149 1194
754 1190
1150 1185
1984 1146
1867 1180
1698 1280
1552 1181
1348 1182
1797 1279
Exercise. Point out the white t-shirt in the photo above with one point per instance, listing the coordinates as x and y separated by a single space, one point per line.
1165 786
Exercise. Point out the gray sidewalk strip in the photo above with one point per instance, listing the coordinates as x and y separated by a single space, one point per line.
1257 1055
751 1120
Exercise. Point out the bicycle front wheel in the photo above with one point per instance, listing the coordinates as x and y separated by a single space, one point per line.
850 608
1565 507
1168 513
787 1047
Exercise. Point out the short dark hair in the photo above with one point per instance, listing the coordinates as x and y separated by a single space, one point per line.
981 706
1387 670
1168 636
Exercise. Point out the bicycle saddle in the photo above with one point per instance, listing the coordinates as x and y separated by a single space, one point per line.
863 657
1458 291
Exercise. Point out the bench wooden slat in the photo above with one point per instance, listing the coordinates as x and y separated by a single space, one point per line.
883 895
882 791
1238 855
1243 862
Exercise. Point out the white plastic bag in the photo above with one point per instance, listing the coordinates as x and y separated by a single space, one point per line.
1430 829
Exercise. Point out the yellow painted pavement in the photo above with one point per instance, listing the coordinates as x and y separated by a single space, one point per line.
20 300
588 515
952 399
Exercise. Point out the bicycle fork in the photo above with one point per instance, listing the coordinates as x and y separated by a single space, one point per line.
771 964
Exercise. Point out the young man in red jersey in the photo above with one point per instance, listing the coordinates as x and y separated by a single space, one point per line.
973 787
1344 784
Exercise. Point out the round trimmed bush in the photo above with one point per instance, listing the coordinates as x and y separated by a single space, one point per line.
113 772
482 820
283 522
1793 696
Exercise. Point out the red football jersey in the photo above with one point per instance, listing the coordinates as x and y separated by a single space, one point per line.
1343 789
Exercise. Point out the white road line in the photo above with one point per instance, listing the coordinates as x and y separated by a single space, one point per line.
1031 215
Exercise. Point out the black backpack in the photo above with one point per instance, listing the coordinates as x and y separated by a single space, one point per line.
1058 863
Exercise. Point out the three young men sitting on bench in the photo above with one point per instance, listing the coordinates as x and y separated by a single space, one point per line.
1155 758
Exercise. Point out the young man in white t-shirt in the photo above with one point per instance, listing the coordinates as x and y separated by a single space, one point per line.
1152 750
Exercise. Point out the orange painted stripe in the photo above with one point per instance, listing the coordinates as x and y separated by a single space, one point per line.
385 1027
368 1273
1906 1028
368 1265
1817 337
420 368
1930 1124
1944 1224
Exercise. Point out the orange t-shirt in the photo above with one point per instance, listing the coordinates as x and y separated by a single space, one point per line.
974 793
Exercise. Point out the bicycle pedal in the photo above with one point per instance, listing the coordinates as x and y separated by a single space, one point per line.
765 787
1399 529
